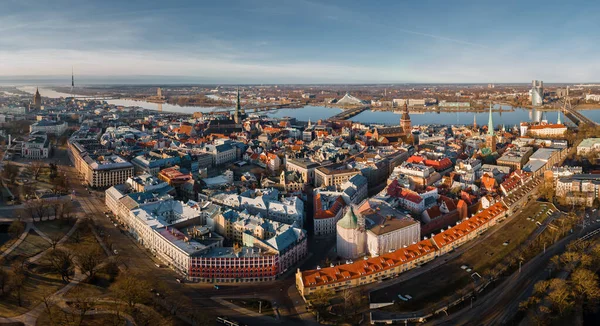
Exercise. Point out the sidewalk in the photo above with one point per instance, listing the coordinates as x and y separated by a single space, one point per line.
18 242
245 311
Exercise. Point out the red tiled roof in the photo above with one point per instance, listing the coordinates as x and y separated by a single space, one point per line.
549 126
464 228
395 190
368 266
415 159
332 211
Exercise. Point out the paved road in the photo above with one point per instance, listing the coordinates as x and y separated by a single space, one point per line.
500 305
281 293
134 256
376 289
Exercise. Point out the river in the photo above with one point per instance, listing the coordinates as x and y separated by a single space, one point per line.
314 113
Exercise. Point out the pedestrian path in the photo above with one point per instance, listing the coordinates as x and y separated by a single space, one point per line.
245 311
18 242
30 317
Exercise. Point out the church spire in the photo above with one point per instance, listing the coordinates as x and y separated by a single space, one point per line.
490 123
558 121
405 122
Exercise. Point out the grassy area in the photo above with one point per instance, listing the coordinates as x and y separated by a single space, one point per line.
5 240
99 287
84 238
55 228
253 304
448 279
31 246
37 284
57 317
499 245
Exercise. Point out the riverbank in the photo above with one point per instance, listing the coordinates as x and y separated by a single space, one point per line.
502 114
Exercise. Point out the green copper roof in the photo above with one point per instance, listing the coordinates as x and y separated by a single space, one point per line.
349 221
490 123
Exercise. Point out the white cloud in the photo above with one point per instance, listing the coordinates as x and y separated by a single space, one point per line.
126 63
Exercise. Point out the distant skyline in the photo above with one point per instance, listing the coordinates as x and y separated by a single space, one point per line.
300 41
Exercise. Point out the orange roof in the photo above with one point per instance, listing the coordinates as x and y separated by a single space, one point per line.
271 130
415 159
488 182
360 268
186 129
469 225
551 126
332 211
440 164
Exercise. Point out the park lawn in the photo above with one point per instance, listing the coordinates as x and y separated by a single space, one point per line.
6 241
36 286
253 305
515 232
99 288
443 282
59 318
54 228
32 245
86 239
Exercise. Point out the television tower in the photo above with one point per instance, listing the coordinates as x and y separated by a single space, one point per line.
72 82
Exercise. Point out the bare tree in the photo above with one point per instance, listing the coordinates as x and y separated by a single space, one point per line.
39 207
55 239
116 319
89 261
61 262
35 168
132 289
19 214
18 278
321 298
55 204
48 302
112 267
10 171
585 284
560 295
347 295
29 209
4 280
82 303
66 208
16 228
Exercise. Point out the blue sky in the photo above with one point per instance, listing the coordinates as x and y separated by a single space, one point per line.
304 41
